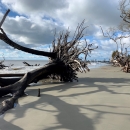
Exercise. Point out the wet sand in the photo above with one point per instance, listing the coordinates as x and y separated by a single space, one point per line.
99 101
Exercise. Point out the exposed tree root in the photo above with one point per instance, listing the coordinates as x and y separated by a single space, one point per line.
64 64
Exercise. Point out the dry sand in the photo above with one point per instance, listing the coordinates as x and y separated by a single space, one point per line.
99 101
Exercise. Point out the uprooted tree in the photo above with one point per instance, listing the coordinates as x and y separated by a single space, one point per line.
124 7
63 65
121 58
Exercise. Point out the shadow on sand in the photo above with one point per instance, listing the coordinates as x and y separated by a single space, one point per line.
69 116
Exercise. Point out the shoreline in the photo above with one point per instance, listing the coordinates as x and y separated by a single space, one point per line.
100 100
21 70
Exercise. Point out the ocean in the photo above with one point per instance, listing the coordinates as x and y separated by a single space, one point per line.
19 67
18 63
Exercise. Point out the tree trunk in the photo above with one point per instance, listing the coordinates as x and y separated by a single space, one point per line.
25 49
19 85
64 64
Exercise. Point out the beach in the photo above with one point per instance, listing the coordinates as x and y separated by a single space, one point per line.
99 101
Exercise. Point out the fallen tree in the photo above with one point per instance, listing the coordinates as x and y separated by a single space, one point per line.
27 64
63 65
118 58
118 34
2 65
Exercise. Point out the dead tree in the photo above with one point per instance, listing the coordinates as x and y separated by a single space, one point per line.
124 6
2 66
112 34
27 64
64 64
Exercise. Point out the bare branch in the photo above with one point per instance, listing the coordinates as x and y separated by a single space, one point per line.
125 11
3 19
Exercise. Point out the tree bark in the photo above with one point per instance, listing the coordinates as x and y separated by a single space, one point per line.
64 64
19 85
25 49
2 21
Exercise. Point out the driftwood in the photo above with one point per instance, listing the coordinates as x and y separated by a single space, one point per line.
122 61
6 82
63 65
12 75
125 12
3 19
118 58
115 63
27 64
38 92
126 67
2 66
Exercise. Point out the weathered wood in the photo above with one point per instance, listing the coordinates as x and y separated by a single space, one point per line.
2 66
7 81
12 75
3 19
17 89
27 64
5 38
63 65
39 93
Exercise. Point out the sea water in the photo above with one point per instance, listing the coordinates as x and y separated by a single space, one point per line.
17 66
20 62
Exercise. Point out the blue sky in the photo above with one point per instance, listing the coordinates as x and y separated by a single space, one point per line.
32 23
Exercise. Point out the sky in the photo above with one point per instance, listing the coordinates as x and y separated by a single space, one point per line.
32 23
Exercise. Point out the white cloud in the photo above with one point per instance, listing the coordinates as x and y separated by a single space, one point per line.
29 7
37 20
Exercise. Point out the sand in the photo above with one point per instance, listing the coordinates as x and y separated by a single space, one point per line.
99 101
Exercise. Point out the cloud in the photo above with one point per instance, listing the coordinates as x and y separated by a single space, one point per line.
37 20
35 7
70 13
24 30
